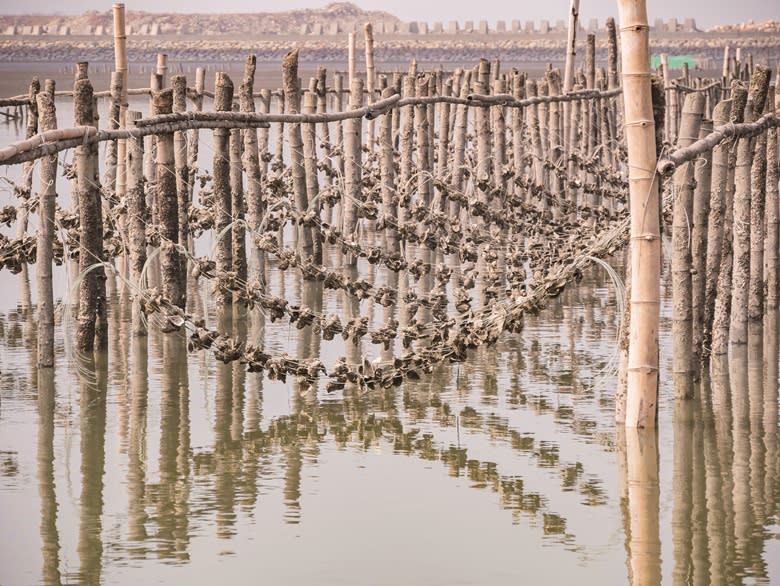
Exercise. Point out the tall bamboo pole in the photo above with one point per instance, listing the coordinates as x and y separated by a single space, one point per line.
682 309
368 31
641 404
47 199
568 72
180 156
120 66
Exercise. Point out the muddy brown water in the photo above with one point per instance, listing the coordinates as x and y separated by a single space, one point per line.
154 465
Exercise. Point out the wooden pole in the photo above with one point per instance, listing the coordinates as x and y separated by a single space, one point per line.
715 221
353 165
424 164
136 218
31 130
254 176
759 85
641 401
183 202
387 178
167 201
91 329
443 169
772 241
45 240
310 162
568 71
223 102
701 211
238 230
194 135
120 66
295 139
682 309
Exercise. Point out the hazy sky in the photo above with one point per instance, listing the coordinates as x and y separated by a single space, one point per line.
706 12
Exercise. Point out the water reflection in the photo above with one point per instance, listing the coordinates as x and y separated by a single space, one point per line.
495 425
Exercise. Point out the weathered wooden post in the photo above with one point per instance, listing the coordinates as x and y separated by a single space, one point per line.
295 139
353 165
758 208
641 402
759 85
482 129
443 169
555 142
251 162
310 163
682 309
701 210
424 164
772 241
136 218
238 230
715 223
194 135
167 202
387 178
406 146
31 130
180 157
92 324
722 312
47 203
223 102
459 151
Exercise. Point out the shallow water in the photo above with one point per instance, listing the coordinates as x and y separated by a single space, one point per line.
153 465
171 467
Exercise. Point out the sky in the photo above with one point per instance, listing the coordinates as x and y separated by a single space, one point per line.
706 12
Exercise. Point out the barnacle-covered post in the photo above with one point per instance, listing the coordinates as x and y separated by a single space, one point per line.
641 402
92 326
223 102
682 308
295 138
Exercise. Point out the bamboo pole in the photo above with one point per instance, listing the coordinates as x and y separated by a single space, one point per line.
351 59
406 146
682 309
223 100
295 139
368 31
120 66
641 406
701 210
91 328
162 68
459 152
532 122
136 218
45 240
568 72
